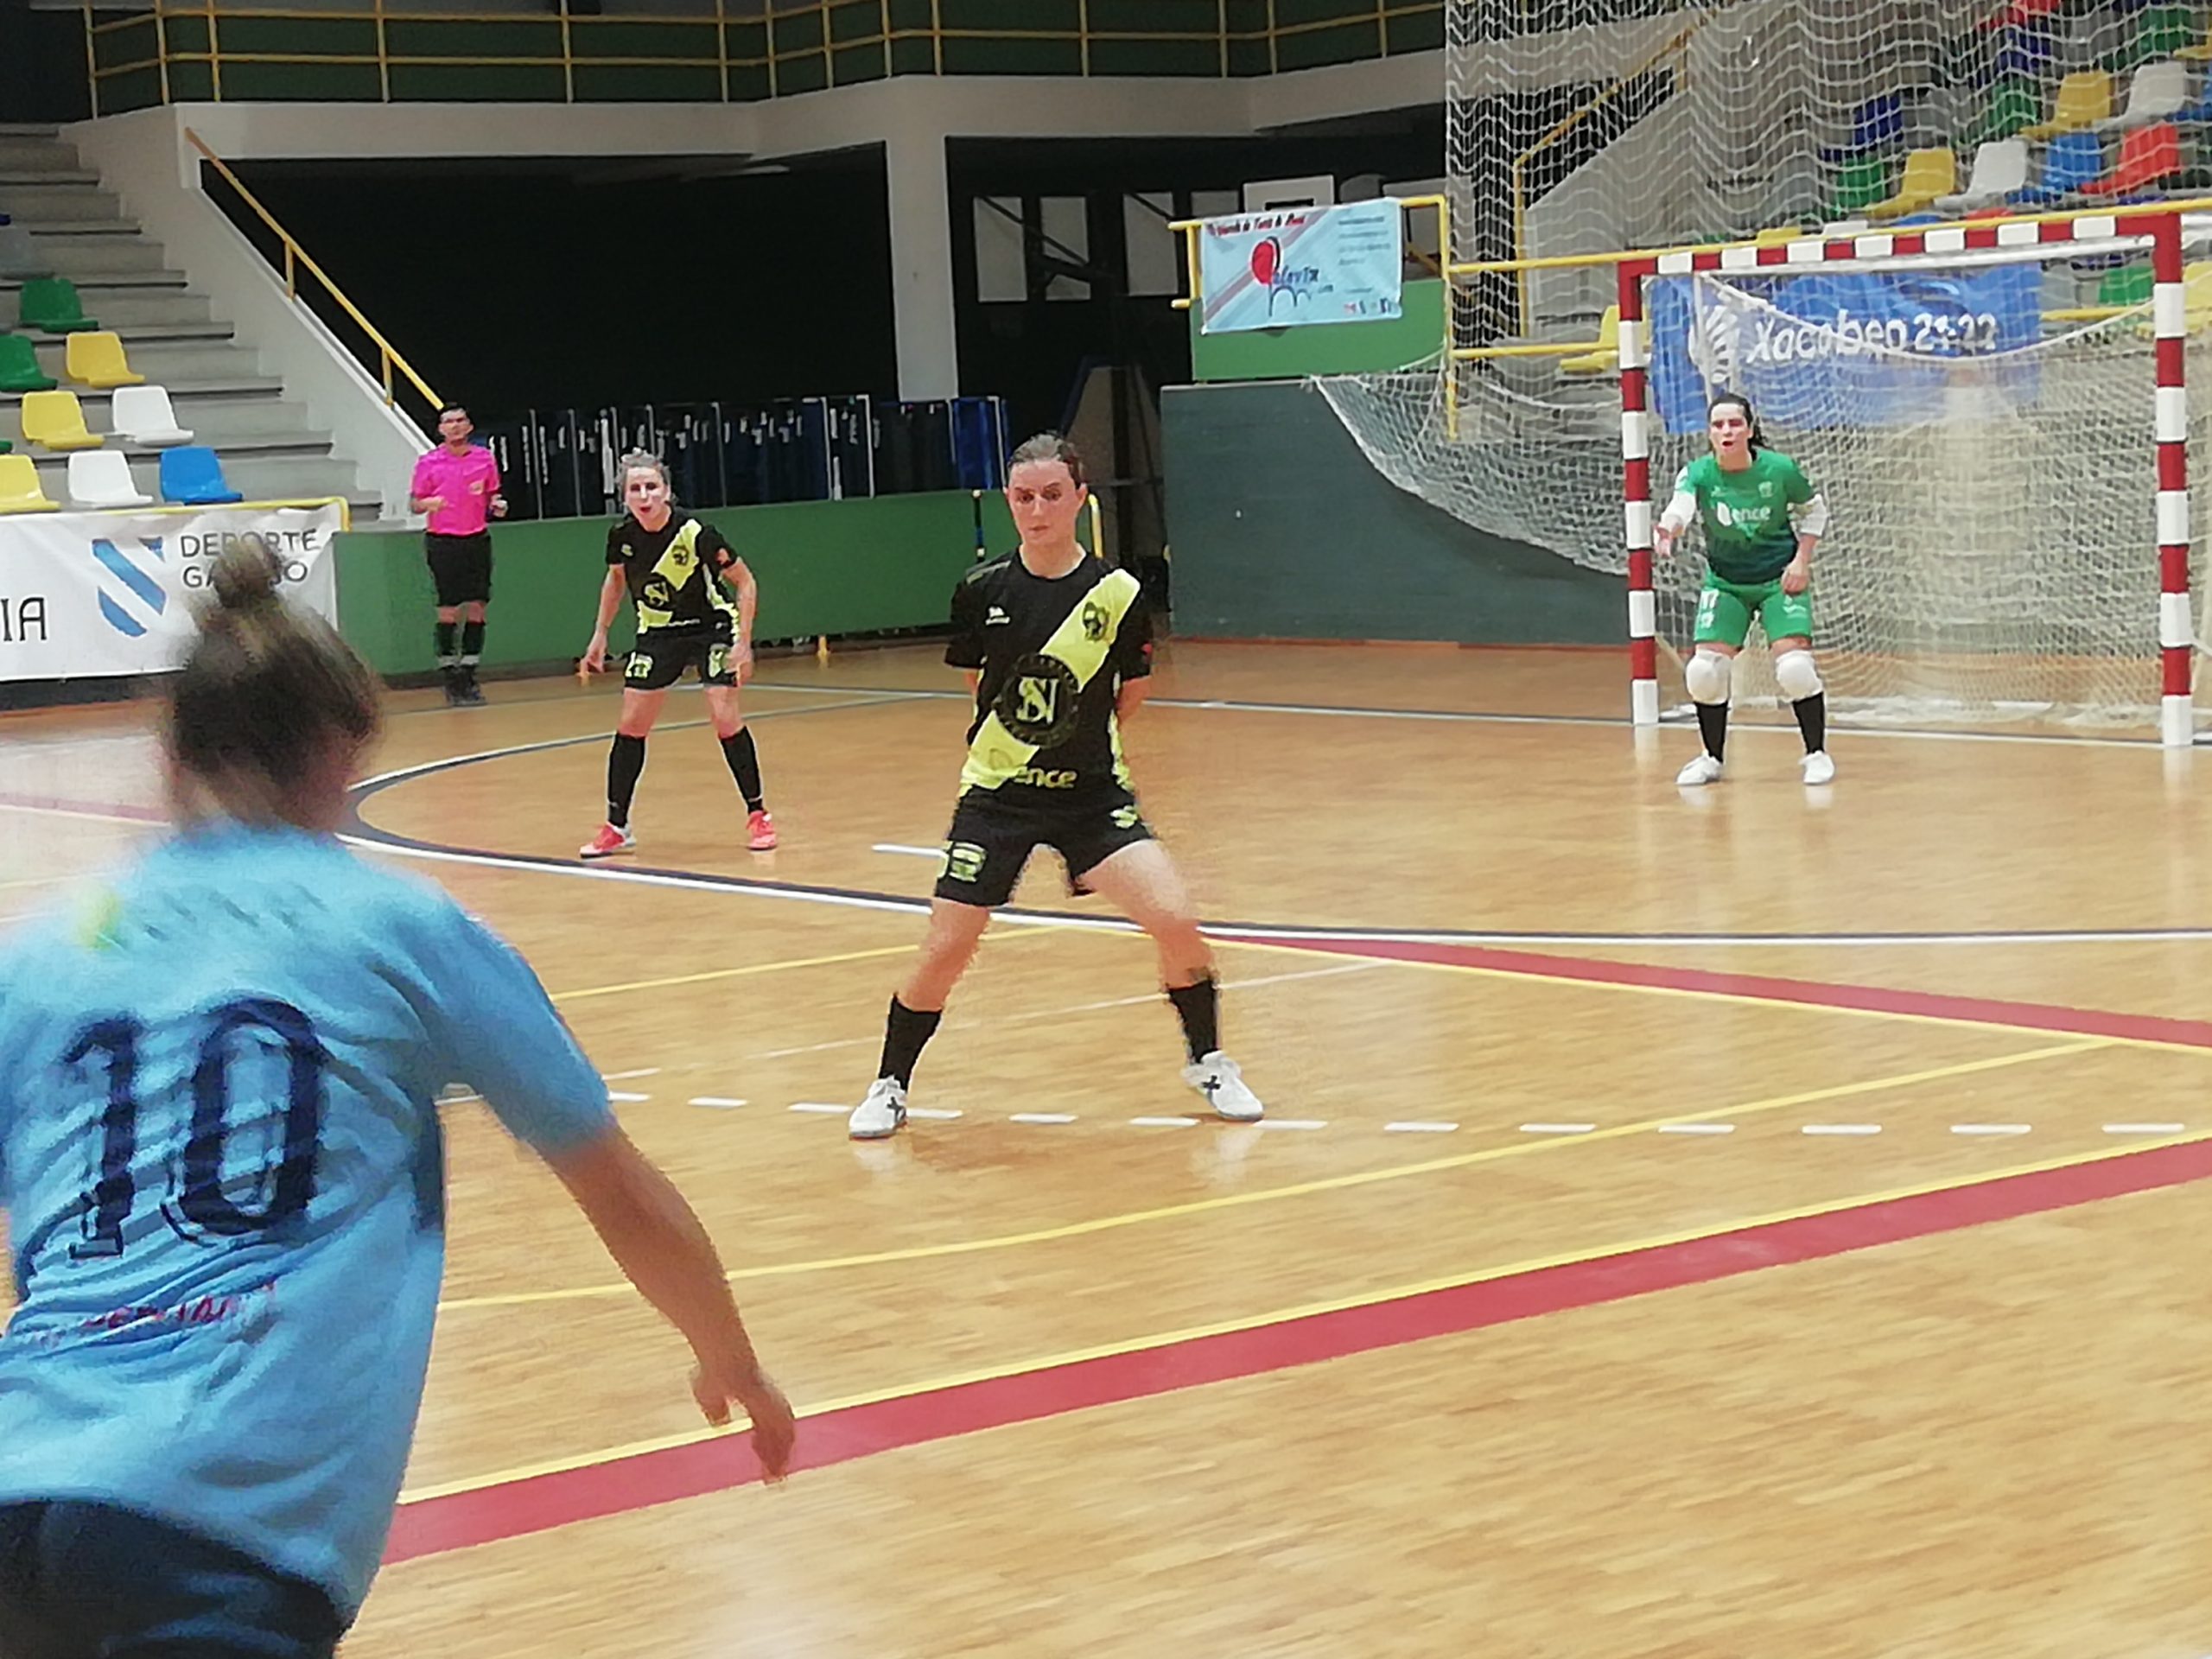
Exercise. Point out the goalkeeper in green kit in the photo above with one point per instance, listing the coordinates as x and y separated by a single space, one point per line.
1762 520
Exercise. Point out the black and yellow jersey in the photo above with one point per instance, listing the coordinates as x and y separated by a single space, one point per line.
1052 652
675 572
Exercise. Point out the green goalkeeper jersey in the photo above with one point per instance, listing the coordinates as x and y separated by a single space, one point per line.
1749 536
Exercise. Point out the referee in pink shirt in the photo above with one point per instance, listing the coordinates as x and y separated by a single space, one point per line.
457 487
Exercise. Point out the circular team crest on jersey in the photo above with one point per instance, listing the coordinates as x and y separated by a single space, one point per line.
1037 702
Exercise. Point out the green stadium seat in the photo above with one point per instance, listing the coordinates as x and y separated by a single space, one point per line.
19 369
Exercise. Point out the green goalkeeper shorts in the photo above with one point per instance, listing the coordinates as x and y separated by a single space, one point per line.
1724 610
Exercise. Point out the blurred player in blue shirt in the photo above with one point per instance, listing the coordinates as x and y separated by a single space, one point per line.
223 1173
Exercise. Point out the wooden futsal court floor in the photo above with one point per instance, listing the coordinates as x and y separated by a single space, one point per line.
1716 1225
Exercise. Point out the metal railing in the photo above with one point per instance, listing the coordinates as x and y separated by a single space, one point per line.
390 365
198 50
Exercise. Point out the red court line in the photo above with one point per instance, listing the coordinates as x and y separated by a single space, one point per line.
1872 999
543 1502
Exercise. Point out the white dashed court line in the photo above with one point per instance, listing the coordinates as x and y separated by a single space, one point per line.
627 1099
1290 1123
1697 1128
1557 1128
909 852
1989 1128
1841 1129
2144 1128
716 1102
1042 1117
1419 1128
924 1115
1163 1122
821 1106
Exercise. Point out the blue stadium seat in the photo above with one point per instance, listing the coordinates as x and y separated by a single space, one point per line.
192 477
2075 160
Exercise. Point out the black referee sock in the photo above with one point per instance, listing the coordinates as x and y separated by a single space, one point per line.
444 636
1813 720
624 762
1713 726
1198 1007
471 642
744 766
905 1034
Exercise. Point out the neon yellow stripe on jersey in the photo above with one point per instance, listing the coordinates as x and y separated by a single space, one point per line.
1082 642
675 568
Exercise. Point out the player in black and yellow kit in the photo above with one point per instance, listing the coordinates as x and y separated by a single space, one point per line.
1058 649
674 567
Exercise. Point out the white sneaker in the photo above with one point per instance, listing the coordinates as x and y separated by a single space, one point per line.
1819 769
1701 772
878 1116
1217 1079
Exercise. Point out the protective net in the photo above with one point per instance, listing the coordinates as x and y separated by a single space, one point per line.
1993 555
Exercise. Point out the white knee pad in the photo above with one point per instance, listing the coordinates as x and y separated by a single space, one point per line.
1707 675
1795 673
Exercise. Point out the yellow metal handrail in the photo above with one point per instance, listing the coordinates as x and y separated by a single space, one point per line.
297 259
1210 27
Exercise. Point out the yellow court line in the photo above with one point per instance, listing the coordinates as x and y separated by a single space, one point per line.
1313 1310
1302 1189
907 950
1742 999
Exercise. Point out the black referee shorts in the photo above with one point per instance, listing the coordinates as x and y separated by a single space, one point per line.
461 565
994 832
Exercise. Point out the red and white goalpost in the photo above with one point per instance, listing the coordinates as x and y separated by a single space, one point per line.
1989 560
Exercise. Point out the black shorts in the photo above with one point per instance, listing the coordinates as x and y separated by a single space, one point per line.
661 655
461 568
993 833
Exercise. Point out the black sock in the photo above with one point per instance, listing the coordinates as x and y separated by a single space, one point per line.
624 762
445 633
1713 726
471 642
1813 720
1198 1007
744 766
903 1035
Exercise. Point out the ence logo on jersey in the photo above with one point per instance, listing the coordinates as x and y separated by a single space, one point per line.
1039 701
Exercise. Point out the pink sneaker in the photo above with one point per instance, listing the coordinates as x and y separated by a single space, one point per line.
608 841
760 833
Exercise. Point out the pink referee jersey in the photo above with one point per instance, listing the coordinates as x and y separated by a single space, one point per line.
467 482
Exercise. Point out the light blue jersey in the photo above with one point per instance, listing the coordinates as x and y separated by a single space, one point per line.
224 1178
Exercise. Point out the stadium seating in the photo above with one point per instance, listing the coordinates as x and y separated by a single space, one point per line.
2000 168
52 304
2084 98
19 486
1928 175
142 414
96 359
192 477
19 255
19 366
100 478
55 420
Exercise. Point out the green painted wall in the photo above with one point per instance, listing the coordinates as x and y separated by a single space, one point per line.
1326 347
1282 529
824 567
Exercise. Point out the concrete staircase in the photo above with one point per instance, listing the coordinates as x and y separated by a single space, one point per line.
171 335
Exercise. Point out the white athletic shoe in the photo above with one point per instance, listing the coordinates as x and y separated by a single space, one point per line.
881 1114
1217 1079
1819 769
1701 772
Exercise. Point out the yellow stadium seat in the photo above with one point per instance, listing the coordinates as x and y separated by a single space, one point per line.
97 360
1606 358
1929 174
2084 98
19 488
55 420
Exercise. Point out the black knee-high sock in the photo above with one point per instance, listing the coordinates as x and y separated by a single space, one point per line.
1198 1007
1813 720
624 762
744 766
471 642
445 637
903 1035
1713 726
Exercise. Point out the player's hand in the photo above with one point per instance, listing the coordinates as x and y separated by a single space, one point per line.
742 662
434 504
774 1428
498 506
1797 577
595 656
1662 541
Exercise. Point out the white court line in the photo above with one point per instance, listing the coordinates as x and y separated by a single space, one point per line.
1697 1128
627 1099
820 1106
1419 1128
1557 1128
910 852
1290 1123
1841 1129
926 1115
1163 1122
1042 1117
2145 1128
719 1102
1991 1128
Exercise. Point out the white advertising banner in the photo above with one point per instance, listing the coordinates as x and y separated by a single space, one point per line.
1294 266
113 593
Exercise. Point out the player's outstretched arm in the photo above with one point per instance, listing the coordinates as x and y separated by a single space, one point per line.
610 601
659 1242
